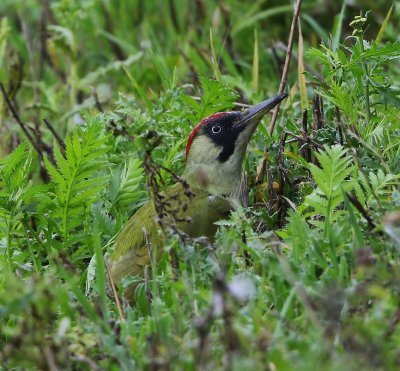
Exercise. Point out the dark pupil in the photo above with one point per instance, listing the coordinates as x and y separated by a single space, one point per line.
216 129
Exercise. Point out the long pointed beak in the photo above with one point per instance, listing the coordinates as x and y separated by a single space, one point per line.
255 113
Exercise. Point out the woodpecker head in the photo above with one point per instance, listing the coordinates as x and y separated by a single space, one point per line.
216 147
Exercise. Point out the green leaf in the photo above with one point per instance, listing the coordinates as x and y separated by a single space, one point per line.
384 25
217 97
337 26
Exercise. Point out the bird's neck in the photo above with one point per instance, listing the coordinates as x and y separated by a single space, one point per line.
223 180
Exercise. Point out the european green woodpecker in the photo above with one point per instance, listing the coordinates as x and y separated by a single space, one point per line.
214 155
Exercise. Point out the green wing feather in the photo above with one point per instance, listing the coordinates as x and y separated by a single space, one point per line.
131 253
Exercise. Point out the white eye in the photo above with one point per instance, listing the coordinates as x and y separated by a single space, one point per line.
216 129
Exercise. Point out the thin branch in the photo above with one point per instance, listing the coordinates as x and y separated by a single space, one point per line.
283 82
282 85
55 134
115 293
318 114
356 203
20 123
303 139
97 101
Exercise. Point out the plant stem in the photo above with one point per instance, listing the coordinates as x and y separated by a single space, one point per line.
8 246
365 67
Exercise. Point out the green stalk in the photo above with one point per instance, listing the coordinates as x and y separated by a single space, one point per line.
8 246
67 200
33 256
365 67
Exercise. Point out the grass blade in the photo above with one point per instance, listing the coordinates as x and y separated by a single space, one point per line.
300 69
138 89
214 60
337 27
384 26
255 62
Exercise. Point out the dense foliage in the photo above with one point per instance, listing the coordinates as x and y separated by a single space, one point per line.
304 277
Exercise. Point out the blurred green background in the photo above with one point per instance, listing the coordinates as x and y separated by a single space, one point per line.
55 54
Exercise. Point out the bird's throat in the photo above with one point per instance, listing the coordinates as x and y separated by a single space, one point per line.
216 180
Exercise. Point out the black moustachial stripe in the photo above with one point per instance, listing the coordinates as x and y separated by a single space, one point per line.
226 138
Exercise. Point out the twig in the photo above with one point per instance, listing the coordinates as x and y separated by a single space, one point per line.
282 180
246 255
96 100
147 290
283 82
146 272
117 131
340 125
55 134
20 123
303 139
318 114
360 208
282 85
304 121
115 293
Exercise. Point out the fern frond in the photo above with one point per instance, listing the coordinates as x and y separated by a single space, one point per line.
335 168
331 177
76 178
125 186
377 184
9 163
217 97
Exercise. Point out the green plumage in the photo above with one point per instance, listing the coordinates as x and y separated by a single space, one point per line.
131 253
214 156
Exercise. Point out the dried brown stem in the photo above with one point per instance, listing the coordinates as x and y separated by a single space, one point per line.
304 139
282 85
115 293
282 180
318 114
283 82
